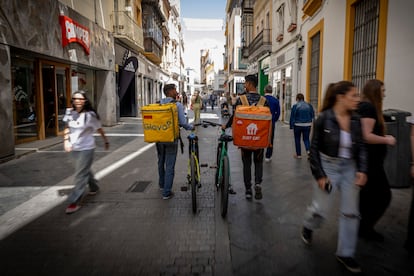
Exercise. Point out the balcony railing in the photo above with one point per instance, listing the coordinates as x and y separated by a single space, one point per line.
261 44
126 30
152 50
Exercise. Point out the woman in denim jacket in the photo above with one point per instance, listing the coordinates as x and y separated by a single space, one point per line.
338 161
301 118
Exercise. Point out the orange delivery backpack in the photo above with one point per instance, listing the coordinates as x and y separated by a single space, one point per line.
252 125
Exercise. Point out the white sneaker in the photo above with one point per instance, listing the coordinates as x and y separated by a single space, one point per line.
267 160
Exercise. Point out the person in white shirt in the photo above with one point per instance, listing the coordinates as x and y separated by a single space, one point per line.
82 121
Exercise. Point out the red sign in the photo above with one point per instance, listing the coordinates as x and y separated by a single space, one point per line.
74 32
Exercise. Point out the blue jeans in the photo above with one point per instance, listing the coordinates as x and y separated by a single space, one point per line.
303 131
167 155
341 173
269 150
82 161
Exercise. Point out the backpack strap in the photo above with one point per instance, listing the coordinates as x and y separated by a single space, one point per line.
261 101
244 100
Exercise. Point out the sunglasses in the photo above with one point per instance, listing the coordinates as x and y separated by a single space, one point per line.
78 99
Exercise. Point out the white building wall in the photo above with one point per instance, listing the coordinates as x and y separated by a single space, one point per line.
399 56
333 14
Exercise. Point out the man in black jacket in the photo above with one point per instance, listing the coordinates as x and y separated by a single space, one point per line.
253 97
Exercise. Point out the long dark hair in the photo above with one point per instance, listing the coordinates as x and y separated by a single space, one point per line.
372 93
333 90
87 106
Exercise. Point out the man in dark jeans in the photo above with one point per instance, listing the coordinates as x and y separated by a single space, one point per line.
301 118
167 152
253 97
275 110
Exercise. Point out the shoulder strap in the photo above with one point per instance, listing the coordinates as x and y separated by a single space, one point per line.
261 101
244 100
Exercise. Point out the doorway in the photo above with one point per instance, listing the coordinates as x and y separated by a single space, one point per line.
56 96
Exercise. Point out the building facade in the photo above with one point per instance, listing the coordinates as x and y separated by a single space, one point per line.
235 67
42 65
317 42
120 52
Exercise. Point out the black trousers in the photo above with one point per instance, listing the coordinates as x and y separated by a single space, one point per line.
375 197
409 244
247 155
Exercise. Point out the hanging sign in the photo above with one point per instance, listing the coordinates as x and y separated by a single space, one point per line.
126 75
74 32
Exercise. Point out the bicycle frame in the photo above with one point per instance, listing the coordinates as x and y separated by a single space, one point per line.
223 152
193 151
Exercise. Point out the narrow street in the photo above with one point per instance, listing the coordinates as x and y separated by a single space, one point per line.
127 229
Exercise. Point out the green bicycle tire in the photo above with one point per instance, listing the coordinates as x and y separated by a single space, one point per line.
224 202
193 171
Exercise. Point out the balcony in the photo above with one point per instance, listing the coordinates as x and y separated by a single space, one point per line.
152 50
127 31
311 6
261 44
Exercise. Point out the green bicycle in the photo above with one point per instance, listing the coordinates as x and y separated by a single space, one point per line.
222 178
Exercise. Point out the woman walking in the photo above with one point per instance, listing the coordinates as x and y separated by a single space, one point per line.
375 196
338 163
82 121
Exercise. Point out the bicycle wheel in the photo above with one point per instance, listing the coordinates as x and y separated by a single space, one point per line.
193 165
225 186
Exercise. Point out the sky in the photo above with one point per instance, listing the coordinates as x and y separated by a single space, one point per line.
203 24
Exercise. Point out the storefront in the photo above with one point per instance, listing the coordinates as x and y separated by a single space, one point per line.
47 62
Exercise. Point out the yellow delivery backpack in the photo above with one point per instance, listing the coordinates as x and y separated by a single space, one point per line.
160 122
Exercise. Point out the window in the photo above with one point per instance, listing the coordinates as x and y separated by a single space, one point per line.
364 53
24 99
314 68
280 19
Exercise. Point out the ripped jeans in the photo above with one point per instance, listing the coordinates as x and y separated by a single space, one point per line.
341 173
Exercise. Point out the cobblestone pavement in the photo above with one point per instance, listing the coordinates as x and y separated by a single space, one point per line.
127 229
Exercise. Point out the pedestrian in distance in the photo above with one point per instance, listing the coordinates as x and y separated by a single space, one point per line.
196 104
82 121
275 110
233 101
409 242
338 161
167 151
301 118
375 196
253 98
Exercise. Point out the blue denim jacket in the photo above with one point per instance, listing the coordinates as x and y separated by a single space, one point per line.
302 112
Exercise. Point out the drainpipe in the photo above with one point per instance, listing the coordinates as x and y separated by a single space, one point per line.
116 15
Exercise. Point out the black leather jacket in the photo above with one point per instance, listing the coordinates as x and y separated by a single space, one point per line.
325 139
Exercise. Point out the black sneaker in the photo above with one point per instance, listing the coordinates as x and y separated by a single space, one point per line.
307 235
231 191
258 192
349 264
249 194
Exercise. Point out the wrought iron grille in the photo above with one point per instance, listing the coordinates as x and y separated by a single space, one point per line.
314 70
365 48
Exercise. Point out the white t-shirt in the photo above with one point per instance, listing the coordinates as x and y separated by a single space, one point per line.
82 126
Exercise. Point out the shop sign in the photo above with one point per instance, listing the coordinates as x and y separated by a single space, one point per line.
74 32
127 74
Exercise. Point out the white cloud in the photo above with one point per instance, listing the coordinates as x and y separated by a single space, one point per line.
203 34
203 25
